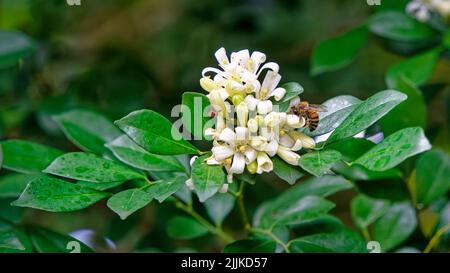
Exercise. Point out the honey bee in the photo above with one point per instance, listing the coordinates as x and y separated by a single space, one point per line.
309 112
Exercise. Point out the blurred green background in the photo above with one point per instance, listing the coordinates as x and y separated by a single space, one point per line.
116 56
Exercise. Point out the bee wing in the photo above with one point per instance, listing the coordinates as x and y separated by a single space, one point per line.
318 108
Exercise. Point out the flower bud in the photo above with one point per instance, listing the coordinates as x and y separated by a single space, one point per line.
242 114
264 107
252 167
264 163
207 84
288 156
237 99
307 142
252 125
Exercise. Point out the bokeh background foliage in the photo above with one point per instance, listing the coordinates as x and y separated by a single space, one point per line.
116 56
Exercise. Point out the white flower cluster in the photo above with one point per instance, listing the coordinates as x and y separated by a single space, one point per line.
249 129
422 9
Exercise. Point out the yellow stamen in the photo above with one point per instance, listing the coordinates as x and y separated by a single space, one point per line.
241 148
228 161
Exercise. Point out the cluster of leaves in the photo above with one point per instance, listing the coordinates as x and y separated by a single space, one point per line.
139 160
134 161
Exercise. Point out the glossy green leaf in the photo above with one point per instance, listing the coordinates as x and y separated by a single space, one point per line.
367 113
47 241
24 240
416 69
12 185
306 208
337 110
27 157
133 155
397 224
162 189
195 107
402 116
319 163
366 210
293 89
286 171
8 239
100 186
127 202
88 130
398 26
155 133
432 176
251 246
91 168
339 51
13 47
318 186
181 227
395 149
207 179
51 194
219 206
345 241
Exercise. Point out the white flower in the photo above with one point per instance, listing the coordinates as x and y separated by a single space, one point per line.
264 163
287 155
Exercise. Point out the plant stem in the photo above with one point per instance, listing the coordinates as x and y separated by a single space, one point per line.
213 229
273 236
435 240
366 234
242 210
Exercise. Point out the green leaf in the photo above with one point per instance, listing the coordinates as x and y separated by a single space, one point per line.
195 113
88 130
8 239
251 246
416 69
12 185
133 155
47 241
21 234
395 149
100 186
400 27
13 47
320 186
219 206
339 51
207 179
367 113
27 157
432 176
51 194
338 109
307 208
91 168
366 210
181 227
293 89
397 224
345 241
127 202
162 189
286 171
155 133
319 163
402 116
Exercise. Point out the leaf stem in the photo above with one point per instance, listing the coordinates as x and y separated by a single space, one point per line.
435 240
240 200
366 234
273 236
213 229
